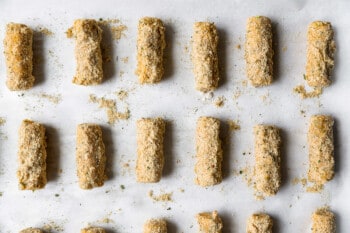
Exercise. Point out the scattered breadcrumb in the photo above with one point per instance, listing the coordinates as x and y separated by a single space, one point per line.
110 106
237 93
69 32
164 197
238 46
315 188
304 94
105 220
52 226
266 98
284 49
220 101
186 49
121 73
122 94
45 31
2 121
244 83
234 125
125 59
297 180
118 31
52 98
116 27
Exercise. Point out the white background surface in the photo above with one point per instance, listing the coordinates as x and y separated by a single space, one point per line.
176 100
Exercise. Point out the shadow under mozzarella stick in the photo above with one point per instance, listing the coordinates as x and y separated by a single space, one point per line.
88 54
321 149
209 222
320 54
323 221
31 171
209 153
150 49
31 230
150 154
259 51
93 230
18 49
205 56
90 156
267 150
260 223
155 226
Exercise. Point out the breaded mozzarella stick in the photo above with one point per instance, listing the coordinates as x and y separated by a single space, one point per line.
259 51
18 52
267 152
31 171
209 222
208 152
150 154
88 55
320 54
150 49
205 56
321 149
155 226
260 223
323 221
90 156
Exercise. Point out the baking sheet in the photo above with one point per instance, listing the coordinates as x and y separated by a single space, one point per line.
63 207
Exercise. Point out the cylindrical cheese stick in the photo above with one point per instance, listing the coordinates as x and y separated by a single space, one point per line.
150 49
320 54
88 55
31 230
90 156
150 154
31 171
321 149
208 152
323 221
155 226
209 222
93 230
259 51
19 56
267 152
260 223
205 56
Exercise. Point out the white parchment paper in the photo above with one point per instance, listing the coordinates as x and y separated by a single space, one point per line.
63 207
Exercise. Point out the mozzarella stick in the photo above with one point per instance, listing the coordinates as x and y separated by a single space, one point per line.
259 51
208 152
155 226
205 56
31 230
321 149
150 154
90 156
31 171
150 49
93 230
18 52
320 54
323 221
88 55
209 222
260 223
267 172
